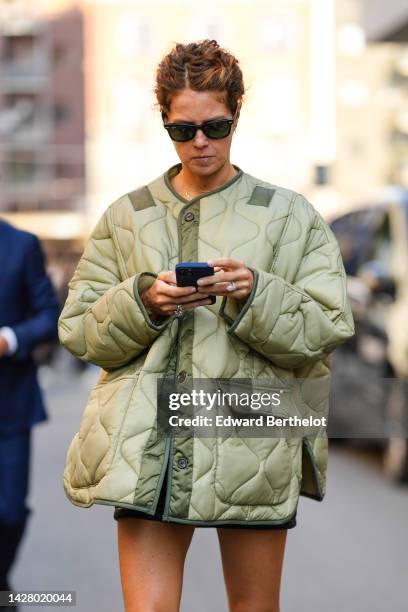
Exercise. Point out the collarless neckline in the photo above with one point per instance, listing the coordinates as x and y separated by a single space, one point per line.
176 168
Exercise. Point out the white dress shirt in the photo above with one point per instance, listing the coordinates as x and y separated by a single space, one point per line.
11 339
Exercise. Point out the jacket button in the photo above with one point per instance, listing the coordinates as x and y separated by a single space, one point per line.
182 463
181 376
189 216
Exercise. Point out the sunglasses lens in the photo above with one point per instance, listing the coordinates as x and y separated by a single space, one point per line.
212 129
218 129
181 133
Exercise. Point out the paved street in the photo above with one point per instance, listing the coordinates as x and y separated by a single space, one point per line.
347 554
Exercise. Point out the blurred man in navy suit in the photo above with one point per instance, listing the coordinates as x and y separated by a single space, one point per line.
29 310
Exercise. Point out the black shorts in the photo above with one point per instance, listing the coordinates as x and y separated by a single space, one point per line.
158 515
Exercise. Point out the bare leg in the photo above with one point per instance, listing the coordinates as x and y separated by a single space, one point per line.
252 564
151 560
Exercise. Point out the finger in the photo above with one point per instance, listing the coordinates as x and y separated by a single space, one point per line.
226 261
195 304
169 276
209 282
240 287
188 298
176 293
222 289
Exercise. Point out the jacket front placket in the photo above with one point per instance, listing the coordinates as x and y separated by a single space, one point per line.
181 448
179 451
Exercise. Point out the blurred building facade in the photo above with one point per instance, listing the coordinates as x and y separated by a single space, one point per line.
42 122
324 111
389 29
287 125
42 114
371 104
42 127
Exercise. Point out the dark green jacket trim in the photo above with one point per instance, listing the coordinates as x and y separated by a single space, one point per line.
141 198
174 519
177 168
310 485
310 496
137 290
261 196
234 324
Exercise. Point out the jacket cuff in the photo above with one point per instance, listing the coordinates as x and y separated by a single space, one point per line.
142 282
233 310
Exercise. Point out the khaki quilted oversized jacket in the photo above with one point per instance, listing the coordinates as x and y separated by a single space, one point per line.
295 315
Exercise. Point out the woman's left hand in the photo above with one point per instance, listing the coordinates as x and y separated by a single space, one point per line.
227 270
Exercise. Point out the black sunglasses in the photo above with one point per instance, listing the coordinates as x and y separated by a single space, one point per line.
215 128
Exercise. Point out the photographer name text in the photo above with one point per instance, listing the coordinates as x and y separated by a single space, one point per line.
261 420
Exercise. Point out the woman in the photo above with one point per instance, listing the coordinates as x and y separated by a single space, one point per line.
281 308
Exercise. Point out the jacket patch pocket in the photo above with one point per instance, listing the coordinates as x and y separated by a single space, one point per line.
98 431
255 464
253 471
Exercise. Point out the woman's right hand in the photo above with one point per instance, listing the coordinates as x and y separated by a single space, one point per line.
163 296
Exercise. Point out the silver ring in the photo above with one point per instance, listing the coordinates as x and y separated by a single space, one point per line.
232 286
179 311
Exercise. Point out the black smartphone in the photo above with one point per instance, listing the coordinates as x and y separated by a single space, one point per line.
188 273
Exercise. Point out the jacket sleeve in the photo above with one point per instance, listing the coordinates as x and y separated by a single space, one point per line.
42 303
294 323
104 320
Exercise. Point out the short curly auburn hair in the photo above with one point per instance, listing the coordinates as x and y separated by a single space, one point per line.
201 66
